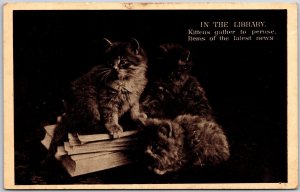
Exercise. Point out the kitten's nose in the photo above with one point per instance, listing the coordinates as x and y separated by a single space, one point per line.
115 67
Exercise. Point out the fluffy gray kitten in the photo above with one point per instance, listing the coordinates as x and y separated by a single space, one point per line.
188 140
183 130
106 92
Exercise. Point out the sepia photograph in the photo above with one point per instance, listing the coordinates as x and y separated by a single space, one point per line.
150 96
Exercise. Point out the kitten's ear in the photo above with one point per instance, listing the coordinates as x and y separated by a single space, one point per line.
167 129
188 53
163 49
161 52
185 55
107 43
170 129
135 46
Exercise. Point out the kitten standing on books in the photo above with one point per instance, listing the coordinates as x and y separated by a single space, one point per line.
106 92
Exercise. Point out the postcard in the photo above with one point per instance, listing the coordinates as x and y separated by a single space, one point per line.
150 96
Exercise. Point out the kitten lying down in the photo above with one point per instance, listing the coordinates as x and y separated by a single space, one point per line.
188 140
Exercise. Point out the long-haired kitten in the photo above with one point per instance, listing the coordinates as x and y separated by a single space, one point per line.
181 127
106 92
185 141
172 90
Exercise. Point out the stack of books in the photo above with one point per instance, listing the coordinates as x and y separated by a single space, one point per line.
83 154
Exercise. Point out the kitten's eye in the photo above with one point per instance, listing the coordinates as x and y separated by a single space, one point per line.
155 147
124 63
185 67
183 59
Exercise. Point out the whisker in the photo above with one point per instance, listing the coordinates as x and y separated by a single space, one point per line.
103 69
105 75
103 72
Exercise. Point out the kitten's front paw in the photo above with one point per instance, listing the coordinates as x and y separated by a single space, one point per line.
115 130
140 117
143 116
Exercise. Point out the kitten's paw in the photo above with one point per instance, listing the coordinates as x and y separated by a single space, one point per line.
143 116
96 115
139 116
116 131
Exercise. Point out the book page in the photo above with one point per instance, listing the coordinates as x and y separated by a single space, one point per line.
108 161
100 137
239 59
89 155
50 129
72 150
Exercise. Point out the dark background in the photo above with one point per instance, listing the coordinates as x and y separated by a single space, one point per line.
245 82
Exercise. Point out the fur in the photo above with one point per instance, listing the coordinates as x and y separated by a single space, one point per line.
187 140
181 128
173 91
106 92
